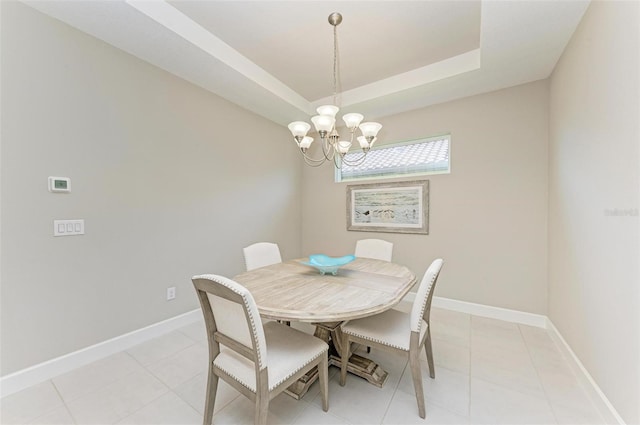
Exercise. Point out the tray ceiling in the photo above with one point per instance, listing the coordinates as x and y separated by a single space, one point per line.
275 58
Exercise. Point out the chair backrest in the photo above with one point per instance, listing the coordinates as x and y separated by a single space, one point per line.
422 303
261 254
231 317
377 249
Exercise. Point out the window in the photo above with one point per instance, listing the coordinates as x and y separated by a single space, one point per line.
423 156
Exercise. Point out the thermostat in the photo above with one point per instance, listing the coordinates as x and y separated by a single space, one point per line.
59 184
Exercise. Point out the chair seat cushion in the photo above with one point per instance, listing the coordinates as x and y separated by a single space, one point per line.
288 351
391 328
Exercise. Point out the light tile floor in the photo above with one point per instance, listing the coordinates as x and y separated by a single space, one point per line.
487 372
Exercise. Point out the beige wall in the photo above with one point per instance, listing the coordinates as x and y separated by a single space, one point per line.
158 173
488 217
594 227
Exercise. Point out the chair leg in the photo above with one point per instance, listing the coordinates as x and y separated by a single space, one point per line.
323 371
210 402
344 359
262 410
414 362
262 398
429 352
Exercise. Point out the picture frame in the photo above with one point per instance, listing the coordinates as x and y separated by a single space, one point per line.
396 207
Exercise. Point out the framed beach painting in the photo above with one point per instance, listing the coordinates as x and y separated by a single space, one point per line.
400 207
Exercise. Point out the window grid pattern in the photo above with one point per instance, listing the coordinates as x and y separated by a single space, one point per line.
421 157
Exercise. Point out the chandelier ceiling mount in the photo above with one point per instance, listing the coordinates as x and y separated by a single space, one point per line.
334 149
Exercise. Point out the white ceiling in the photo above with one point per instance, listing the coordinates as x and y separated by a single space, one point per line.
275 57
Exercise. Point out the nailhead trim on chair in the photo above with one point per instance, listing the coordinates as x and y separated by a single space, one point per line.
426 295
235 378
272 385
378 341
300 368
243 292
368 338
424 303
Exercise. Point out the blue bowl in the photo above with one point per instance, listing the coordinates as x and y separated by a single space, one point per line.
326 264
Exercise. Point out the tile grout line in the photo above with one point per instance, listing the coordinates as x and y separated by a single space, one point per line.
64 403
151 401
162 358
570 363
535 368
79 397
307 407
144 369
190 337
467 347
518 390
145 405
468 374
530 347
205 396
395 391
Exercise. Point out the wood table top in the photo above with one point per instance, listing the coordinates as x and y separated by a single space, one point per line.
294 291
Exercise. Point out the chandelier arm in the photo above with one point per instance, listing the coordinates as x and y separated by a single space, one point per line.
311 161
328 154
340 161
328 150
355 162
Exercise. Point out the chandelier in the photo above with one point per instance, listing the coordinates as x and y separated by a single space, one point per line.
334 149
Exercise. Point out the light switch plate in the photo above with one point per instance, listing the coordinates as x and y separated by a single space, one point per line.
68 227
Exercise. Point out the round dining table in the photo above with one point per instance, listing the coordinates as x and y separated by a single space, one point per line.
293 291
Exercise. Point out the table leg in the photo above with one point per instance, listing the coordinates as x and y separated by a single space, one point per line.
360 366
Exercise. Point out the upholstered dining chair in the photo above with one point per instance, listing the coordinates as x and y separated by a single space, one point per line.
398 331
377 249
258 361
261 254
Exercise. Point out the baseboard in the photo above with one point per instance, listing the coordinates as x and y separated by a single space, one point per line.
609 413
481 310
599 399
33 375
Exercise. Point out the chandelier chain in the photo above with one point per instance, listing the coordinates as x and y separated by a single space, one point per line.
336 68
333 148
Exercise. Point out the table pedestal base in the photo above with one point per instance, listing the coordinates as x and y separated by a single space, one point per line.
364 368
301 386
358 365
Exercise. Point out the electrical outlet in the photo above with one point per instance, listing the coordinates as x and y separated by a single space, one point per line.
171 293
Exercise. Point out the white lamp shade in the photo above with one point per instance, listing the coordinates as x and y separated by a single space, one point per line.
352 120
306 142
363 142
299 128
370 129
344 146
330 110
323 122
